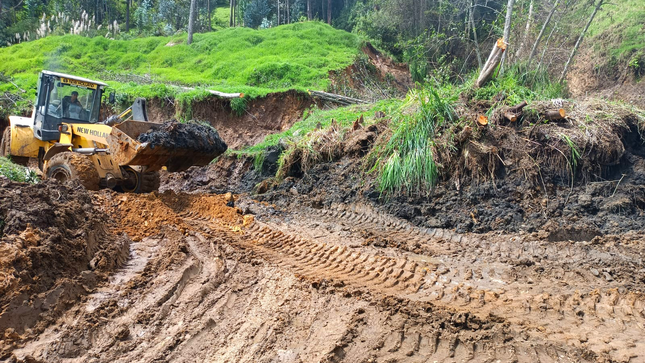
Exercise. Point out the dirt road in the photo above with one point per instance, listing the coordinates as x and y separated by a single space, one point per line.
205 282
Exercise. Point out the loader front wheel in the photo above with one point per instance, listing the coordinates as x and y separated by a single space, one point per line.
137 182
5 149
68 166
150 182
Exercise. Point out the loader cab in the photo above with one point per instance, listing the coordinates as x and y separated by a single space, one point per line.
65 98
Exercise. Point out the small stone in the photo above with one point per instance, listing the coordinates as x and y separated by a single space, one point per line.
595 272
608 276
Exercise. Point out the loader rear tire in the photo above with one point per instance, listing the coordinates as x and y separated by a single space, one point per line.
68 166
5 149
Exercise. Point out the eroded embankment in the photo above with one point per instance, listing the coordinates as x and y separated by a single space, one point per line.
260 116
575 179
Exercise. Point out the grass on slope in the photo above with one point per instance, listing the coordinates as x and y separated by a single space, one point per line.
16 172
620 24
256 62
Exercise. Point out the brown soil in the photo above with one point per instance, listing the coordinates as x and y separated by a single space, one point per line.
263 116
589 78
309 284
55 249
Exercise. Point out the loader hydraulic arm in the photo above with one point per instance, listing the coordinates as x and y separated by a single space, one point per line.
136 112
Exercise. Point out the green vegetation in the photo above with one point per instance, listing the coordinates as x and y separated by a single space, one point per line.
16 172
575 155
517 85
254 62
619 27
407 162
318 119
220 17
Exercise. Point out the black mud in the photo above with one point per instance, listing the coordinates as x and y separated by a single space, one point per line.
187 136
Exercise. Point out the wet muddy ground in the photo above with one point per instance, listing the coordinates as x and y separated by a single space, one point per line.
251 282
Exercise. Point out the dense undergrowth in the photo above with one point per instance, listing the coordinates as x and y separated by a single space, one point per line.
253 62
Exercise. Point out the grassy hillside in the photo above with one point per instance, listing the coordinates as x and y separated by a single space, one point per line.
236 59
619 27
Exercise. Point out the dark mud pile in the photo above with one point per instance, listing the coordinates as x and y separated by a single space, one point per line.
510 178
186 136
54 248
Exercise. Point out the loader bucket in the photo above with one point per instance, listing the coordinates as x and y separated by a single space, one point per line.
174 145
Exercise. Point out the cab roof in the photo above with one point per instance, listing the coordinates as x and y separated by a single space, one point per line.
74 77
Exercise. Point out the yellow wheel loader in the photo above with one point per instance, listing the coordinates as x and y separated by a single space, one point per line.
67 139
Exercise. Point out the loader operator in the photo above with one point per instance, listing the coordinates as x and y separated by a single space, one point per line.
74 102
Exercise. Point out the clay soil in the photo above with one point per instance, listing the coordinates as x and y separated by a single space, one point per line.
227 265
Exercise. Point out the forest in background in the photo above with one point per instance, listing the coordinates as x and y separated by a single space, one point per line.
438 39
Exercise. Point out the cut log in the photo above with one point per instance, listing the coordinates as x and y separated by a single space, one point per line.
553 115
343 100
512 117
491 64
513 113
218 93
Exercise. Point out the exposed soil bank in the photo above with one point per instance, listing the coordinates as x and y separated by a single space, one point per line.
263 116
54 249
610 81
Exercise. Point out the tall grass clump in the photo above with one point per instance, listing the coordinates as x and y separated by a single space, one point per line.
407 163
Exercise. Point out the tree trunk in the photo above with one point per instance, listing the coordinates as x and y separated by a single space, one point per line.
210 24
546 47
518 53
471 17
191 21
329 12
507 31
492 62
231 4
546 22
309 15
582 35
127 16
288 13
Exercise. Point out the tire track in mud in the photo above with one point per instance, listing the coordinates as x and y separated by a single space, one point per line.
517 249
547 307
548 302
421 337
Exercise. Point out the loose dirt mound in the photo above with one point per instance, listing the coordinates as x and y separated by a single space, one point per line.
54 249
